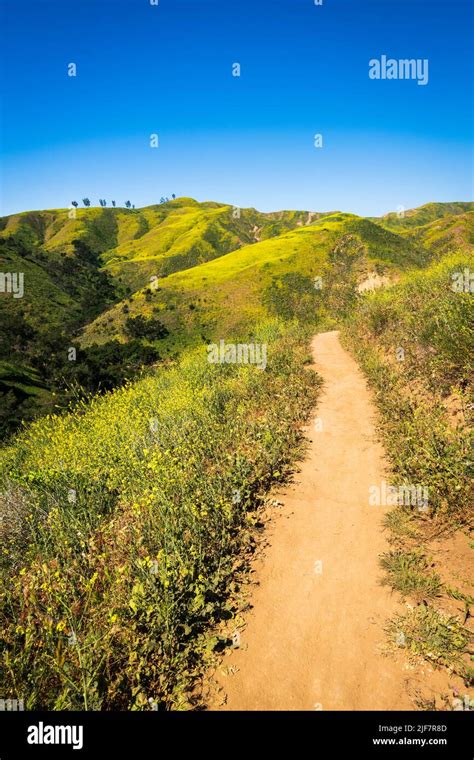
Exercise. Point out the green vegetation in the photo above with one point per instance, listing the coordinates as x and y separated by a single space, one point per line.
139 327
128 511
231 292
408 572
428 633
426 214
414 340
77 264
23 395
451 234
62 292
131 515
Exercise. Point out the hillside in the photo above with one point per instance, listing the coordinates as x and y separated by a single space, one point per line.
193 271
89 271
136 244
414 342
183 233
184 456
450 234
274 276
131 509
417 217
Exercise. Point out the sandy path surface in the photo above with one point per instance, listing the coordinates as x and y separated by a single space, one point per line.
313 637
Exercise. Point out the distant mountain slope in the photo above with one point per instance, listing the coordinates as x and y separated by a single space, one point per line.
44 300
188 233
230 292
440 228
62 255
137 244
89 273
429 212
450 234
59 287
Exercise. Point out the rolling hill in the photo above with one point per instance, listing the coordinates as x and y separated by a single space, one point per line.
128 519
231 291
193 271
136 244
429 212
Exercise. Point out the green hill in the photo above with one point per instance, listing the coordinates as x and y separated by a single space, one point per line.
252 282
449 234
127 520
136 244
190 271
430 212
23 396
181 234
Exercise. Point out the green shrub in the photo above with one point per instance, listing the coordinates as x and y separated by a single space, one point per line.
140 506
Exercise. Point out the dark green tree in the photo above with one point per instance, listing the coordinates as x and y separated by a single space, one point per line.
151 329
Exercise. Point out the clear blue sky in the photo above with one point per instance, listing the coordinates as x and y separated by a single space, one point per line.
143 69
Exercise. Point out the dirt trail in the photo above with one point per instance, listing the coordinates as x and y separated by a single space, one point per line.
313 638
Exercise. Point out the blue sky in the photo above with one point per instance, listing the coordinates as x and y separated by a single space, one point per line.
167 69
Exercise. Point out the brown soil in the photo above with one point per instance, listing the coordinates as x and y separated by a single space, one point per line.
315 638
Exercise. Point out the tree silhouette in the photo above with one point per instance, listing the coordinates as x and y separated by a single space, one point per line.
113 204
75 204
128 204
173 196
86 201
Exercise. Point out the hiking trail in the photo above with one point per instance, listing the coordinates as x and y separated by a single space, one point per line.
314 636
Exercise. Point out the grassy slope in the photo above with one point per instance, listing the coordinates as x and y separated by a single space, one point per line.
87 569
430 212
226 295
189 233
135 244
414 341
57 230
446 235
156 240
183 234
107 599
43 301
178 238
